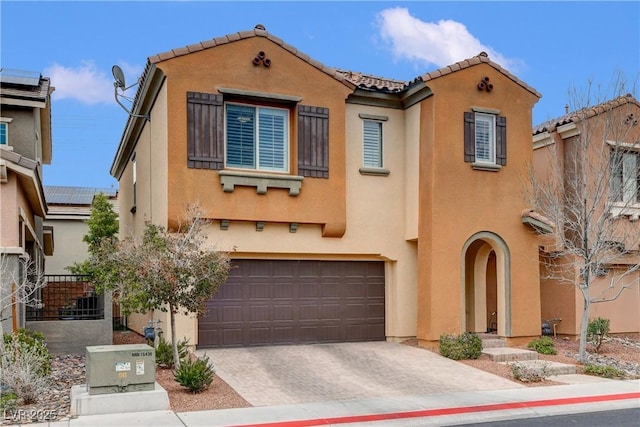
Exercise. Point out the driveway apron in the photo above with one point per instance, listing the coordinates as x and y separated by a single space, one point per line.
280 375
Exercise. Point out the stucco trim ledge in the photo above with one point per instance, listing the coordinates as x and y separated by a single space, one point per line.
262 181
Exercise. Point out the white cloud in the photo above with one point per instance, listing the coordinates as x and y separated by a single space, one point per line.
439 43
87 83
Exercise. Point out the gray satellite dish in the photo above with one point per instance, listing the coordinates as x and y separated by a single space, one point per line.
119 83
119 76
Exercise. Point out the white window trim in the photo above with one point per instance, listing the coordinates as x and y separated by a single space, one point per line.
626 208
492 120
369 169
5 121
256 142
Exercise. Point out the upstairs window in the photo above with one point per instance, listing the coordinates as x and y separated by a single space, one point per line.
3 134
485 139
625 176
257 138
372 143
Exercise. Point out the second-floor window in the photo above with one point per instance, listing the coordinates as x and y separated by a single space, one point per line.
257 138
625 176
3 134
485 139
372 143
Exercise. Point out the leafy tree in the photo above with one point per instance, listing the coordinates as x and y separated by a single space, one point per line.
173 272
591 206
103 224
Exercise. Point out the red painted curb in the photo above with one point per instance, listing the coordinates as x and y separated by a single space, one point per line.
448 411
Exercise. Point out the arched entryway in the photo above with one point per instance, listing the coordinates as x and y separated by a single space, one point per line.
486 285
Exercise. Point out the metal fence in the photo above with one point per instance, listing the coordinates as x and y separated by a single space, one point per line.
67 297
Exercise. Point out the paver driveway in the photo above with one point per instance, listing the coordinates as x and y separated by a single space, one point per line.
280 375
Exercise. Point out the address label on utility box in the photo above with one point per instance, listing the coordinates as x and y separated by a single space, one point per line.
123 366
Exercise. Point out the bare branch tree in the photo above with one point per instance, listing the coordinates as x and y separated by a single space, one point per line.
587 182
168 271
20 285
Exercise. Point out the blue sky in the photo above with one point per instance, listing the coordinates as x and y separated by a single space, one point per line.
552 46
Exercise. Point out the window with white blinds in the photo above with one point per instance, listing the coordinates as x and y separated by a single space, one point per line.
625 177
257 138
485 138
372 143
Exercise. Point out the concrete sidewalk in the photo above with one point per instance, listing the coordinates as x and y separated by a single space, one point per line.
448 408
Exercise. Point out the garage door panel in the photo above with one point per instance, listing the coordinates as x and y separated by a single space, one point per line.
286 302
260 313
231 313
283 290
283 312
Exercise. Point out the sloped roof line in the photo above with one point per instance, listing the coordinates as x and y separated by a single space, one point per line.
482 57
585 113
258 31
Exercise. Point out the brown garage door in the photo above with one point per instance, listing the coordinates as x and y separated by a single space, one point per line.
267 302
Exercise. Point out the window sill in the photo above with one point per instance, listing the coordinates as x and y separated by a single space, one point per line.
262 181
491 167
632 210
374 171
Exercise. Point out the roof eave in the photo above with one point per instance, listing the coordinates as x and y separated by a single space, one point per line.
150 87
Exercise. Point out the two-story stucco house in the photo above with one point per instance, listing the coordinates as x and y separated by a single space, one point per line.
601 143
25 145
354 207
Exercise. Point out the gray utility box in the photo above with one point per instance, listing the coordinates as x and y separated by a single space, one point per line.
120 368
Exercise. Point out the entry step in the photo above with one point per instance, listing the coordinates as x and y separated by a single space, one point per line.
547 367
508 354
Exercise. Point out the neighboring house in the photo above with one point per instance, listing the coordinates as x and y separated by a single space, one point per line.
25 145
69 210
73 316
354 207
612 160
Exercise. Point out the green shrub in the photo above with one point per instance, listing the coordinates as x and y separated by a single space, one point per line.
464 346
526 374
8 401
28 341
195 374
164 352
597 331
603 371
543 345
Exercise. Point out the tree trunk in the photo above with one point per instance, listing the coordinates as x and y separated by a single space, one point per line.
582 352
174 341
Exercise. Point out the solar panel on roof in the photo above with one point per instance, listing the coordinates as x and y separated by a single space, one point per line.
74 195
19 77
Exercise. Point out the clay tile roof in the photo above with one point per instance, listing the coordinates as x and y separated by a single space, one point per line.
367 81
584 113
482 57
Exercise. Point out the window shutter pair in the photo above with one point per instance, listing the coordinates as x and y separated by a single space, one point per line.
470 138
205 135
205 131
313 141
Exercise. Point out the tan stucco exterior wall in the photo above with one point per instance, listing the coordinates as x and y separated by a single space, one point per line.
230 66
10 212
69 247
457 202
